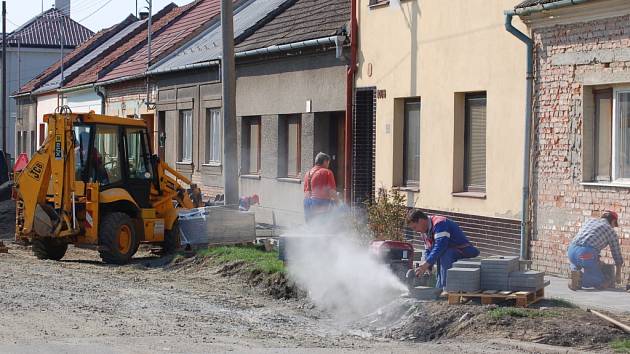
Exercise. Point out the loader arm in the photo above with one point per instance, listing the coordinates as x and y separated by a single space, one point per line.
171 187
50 170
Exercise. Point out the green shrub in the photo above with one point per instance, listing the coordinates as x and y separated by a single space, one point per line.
386 215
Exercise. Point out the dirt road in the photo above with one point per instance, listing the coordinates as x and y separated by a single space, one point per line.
80 305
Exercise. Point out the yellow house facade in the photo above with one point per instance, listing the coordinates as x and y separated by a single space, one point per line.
448 83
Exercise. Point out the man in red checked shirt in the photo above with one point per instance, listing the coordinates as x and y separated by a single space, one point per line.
320 189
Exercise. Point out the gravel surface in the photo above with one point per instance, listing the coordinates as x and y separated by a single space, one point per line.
80 305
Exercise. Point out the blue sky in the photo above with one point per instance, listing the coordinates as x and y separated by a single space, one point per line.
84 11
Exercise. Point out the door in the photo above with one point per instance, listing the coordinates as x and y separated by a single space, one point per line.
161 136
336 148
137 165
149 119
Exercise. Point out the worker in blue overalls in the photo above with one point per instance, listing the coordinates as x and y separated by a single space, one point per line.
444 241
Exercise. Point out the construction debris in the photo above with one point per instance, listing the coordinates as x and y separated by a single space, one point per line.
622 326
3 248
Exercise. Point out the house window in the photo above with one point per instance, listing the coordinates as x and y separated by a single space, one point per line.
32 142
185 136
621 141
214 136
42 133
602 135
251 145
291 150
475 143
411 150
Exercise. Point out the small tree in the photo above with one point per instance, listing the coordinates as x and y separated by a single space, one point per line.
386 215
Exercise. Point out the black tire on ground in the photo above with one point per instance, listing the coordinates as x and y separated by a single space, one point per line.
172 239
49 248
117 236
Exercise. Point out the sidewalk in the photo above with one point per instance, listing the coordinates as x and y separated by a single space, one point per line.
613 300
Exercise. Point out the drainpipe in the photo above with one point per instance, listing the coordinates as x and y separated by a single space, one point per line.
349 102
528 129
100 91
529 106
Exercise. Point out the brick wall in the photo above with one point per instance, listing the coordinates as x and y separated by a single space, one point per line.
561 202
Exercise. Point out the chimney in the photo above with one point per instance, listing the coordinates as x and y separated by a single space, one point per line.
144 15
63 6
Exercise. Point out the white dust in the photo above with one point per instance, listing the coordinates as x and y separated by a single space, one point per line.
327 259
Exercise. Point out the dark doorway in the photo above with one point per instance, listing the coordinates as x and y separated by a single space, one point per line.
329 138
161 135
363 145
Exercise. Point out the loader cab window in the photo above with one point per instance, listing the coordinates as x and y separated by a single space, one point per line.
81 151
105 156
137 153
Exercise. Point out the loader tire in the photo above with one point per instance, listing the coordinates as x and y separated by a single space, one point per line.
49 248
172 239
117 238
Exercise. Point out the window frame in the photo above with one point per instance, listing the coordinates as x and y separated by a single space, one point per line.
615 136
466 186
180 154
298 153
410 183
595 176
208 161
249 122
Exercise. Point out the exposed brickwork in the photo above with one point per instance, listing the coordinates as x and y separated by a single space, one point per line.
562 204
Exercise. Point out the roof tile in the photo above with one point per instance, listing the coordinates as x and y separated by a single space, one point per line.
129 46
192 21
306 19
42 31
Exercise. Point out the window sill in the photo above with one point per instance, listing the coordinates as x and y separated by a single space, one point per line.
289 180
408 189
606 184
474 195
381 3
184 163
256 177
212 164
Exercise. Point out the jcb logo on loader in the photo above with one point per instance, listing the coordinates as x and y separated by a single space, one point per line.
57 147
36 171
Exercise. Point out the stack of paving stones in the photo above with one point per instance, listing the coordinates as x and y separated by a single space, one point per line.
495 272
467 264
527 281
463 280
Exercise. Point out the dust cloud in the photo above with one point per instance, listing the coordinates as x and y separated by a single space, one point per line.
328 259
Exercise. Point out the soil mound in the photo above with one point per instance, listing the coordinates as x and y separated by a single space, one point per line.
410 320
276 285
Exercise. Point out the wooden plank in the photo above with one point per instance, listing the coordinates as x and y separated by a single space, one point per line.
505 292
453 299
490 292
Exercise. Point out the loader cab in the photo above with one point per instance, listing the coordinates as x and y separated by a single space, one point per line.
115 156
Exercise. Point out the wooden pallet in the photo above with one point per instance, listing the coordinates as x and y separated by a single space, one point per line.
523 298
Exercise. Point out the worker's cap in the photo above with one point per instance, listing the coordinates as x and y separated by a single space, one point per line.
612 217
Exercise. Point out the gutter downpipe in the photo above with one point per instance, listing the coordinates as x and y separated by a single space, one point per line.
525 212
528 130
352 67
100 92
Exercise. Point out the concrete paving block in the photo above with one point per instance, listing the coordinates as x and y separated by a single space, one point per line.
425 293
467 264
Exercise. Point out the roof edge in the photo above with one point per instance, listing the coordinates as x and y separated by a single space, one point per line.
526 11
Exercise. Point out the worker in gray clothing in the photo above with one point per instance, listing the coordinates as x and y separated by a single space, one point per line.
584 252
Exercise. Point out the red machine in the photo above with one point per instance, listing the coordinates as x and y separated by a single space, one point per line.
398 255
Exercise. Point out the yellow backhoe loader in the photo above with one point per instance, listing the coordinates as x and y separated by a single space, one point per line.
95 183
